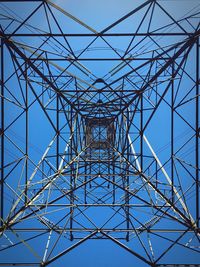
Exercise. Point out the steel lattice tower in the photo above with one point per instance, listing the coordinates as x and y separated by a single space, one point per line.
99 133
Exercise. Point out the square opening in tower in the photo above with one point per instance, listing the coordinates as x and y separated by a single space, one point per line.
99 132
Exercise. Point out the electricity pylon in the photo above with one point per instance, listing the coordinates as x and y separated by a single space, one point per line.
99 133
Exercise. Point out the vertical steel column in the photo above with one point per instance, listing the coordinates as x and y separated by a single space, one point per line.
172 134
90 166
58 132
113 177
197 133
85 178
113 163
109 165
71 175
2 131
141 132
27 134
127 181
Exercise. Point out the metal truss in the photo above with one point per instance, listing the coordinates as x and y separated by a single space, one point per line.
92 156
